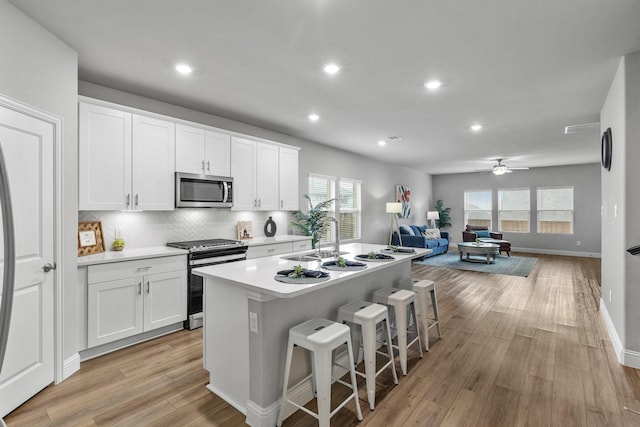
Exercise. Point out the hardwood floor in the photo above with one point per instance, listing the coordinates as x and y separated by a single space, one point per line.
514 352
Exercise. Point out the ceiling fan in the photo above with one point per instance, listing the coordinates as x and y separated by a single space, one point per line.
500 168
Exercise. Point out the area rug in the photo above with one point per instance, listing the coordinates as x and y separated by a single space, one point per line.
510 266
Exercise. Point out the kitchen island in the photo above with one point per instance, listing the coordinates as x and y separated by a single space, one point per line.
247 316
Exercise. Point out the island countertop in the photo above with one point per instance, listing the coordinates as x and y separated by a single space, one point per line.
258 274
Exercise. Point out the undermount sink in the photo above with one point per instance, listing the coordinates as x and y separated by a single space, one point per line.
311 256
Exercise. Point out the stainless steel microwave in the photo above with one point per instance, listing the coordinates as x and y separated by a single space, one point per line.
203 191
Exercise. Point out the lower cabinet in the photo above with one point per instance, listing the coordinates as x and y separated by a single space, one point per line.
259 251
132 297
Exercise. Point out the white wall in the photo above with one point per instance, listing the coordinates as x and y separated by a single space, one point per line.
40 70
614 259
621 199
378 183
584 178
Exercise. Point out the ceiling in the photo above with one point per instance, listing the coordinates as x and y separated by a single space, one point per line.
524 69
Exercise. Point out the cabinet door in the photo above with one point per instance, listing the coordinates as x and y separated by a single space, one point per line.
190 149
288 179
104 158
217 154
114 310
153 164
267 177
243 173
165 296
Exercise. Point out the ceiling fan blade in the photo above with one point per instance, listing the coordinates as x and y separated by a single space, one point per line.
519 169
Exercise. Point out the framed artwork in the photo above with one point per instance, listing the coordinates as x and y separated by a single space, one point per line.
245 230
403 195
90 239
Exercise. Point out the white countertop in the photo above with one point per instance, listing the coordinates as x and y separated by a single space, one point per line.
259 241
129 254
258 274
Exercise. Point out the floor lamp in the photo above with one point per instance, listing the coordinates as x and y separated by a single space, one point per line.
394 208
433 215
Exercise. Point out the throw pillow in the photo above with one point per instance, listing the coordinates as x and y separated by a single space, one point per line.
405 229
483 234
432 233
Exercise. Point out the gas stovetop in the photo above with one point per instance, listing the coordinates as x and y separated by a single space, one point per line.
206 245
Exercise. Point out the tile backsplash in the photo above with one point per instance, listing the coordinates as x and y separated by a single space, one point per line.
141 229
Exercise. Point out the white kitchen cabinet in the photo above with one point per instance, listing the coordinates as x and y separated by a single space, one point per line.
278 248
131 297
259 181
104 158
202 151
267 177
126 161
288 178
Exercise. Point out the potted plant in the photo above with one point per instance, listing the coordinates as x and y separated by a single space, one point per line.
118 245
314 222
443 213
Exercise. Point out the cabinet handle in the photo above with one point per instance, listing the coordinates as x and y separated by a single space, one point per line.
128 199
136 200
208 166
139 288
202 166
255 203
281 203
259 203
148 287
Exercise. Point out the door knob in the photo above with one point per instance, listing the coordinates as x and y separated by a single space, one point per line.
48 267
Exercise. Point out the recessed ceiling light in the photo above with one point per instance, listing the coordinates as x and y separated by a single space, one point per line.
314 117
382 143
476 127
331 68
184 68
433 84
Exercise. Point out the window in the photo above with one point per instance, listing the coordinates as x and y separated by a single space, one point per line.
555 210
513 210
349 209
477 208
323 188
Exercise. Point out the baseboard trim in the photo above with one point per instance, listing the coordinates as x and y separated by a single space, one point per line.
258 416
71 366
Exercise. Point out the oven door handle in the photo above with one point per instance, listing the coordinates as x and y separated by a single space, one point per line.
217 260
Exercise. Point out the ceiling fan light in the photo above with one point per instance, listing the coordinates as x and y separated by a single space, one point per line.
499 170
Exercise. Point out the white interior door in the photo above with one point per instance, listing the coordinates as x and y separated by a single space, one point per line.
29 363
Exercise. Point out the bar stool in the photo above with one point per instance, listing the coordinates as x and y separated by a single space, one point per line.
368 316
321 337
422 288
401 300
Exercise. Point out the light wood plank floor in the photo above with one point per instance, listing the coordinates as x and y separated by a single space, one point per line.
514 352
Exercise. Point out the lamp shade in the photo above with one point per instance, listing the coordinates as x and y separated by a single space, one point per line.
433 215
394 207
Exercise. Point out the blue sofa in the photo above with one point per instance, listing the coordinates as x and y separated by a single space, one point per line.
412 237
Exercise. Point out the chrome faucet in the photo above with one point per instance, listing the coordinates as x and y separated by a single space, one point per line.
337 249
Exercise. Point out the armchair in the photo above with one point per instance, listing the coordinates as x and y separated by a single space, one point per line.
481 232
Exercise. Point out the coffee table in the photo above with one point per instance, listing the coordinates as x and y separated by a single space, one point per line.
488 250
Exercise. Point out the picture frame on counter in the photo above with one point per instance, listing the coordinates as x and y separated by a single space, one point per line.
245 230
90 238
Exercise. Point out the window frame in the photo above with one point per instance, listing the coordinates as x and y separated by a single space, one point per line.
466 210
357 210
528 210
572 211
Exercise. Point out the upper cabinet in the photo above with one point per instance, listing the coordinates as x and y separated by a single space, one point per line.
202 151
126 160
288 178
265 176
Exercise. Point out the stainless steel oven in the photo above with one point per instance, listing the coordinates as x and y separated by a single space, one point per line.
201 254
